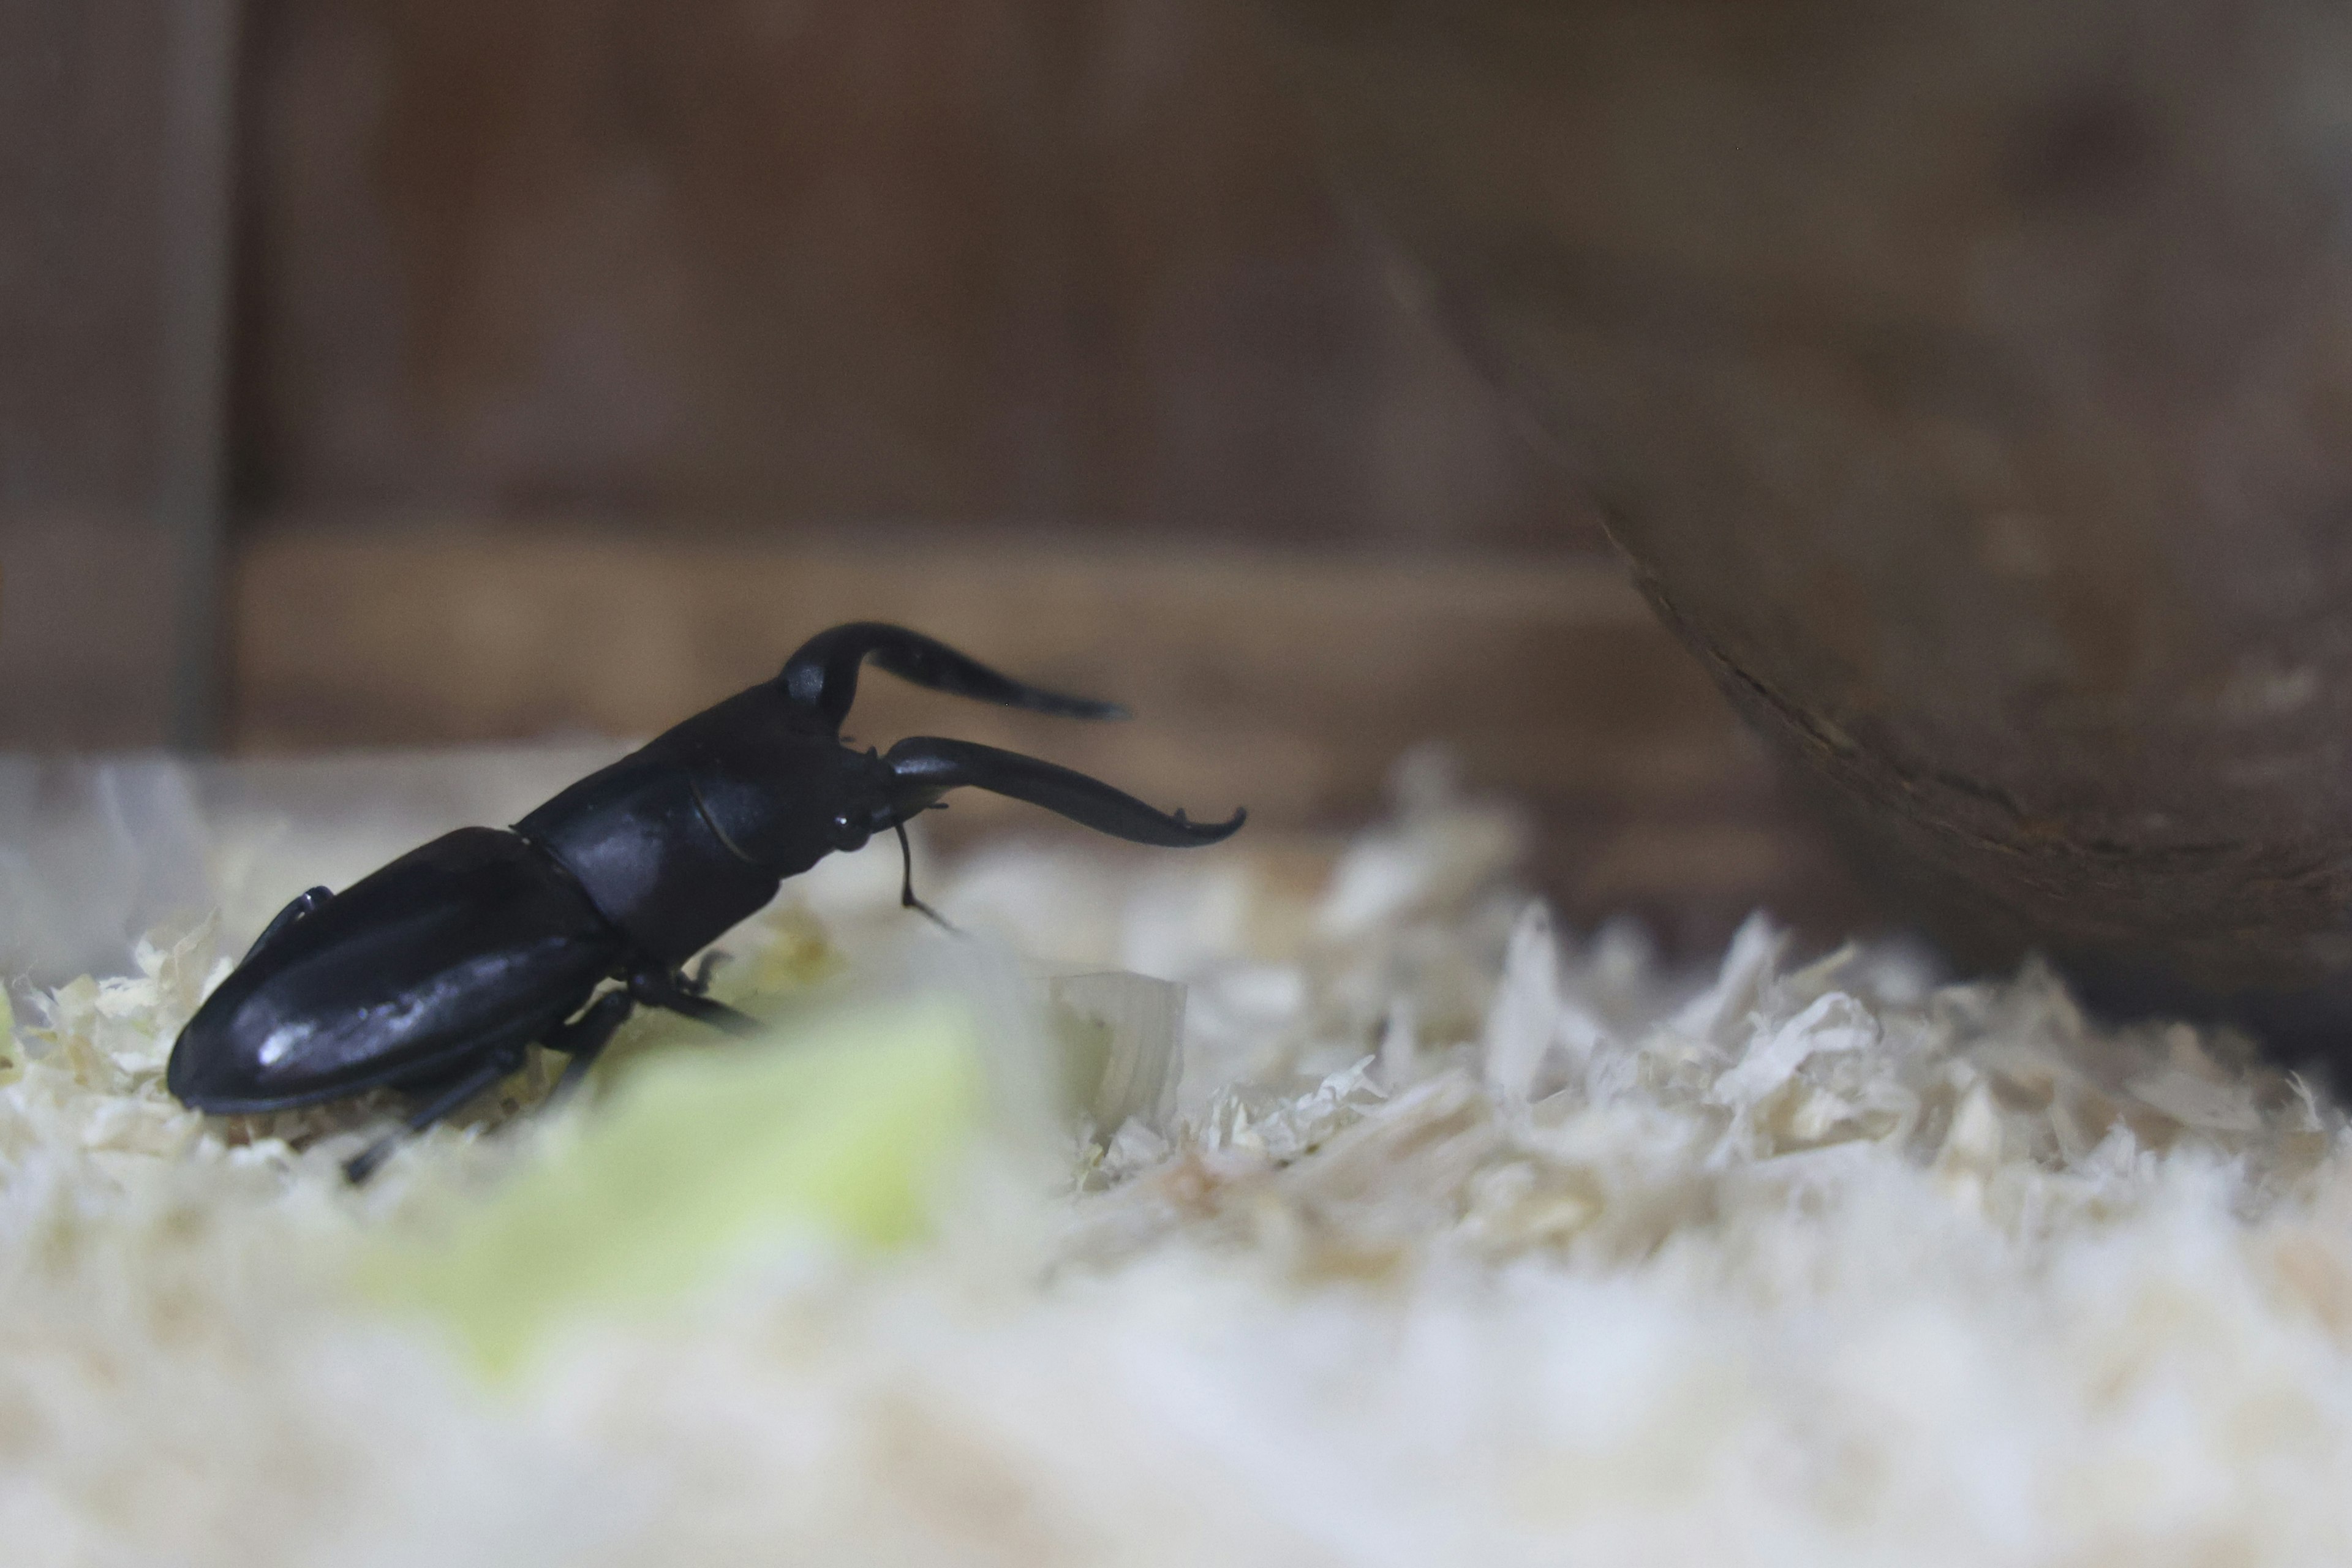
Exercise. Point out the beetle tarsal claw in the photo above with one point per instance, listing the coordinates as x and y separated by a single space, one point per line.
361 1165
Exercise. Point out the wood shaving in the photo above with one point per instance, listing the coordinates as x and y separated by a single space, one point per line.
1459 1240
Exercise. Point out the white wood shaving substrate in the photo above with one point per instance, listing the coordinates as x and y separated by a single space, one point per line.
1468 1244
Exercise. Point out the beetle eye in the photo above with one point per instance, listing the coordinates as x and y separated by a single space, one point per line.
848 833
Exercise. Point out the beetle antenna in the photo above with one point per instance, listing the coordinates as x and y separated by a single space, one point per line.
822 674
907 900
925 767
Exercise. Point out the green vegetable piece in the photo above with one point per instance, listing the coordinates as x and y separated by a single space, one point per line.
841 1129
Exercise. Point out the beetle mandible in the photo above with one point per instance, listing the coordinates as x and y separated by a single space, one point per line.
434 974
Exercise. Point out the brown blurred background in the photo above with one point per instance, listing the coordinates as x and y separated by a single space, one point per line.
378 372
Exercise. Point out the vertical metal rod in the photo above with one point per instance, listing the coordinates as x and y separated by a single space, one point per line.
198 233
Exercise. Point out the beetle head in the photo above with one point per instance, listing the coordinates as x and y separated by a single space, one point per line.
778 786
784 800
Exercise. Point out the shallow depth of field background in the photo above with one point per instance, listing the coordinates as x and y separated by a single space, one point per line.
380 374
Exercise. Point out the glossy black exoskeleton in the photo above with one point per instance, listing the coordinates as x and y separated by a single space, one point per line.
434 974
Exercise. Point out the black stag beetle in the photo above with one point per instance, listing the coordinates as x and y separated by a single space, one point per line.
435 974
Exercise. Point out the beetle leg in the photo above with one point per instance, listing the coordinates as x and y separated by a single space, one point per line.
498 1064
907 900
303 903
584 1039
657 988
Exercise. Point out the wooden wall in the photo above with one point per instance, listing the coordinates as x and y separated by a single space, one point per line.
736 267
89 603
583 356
